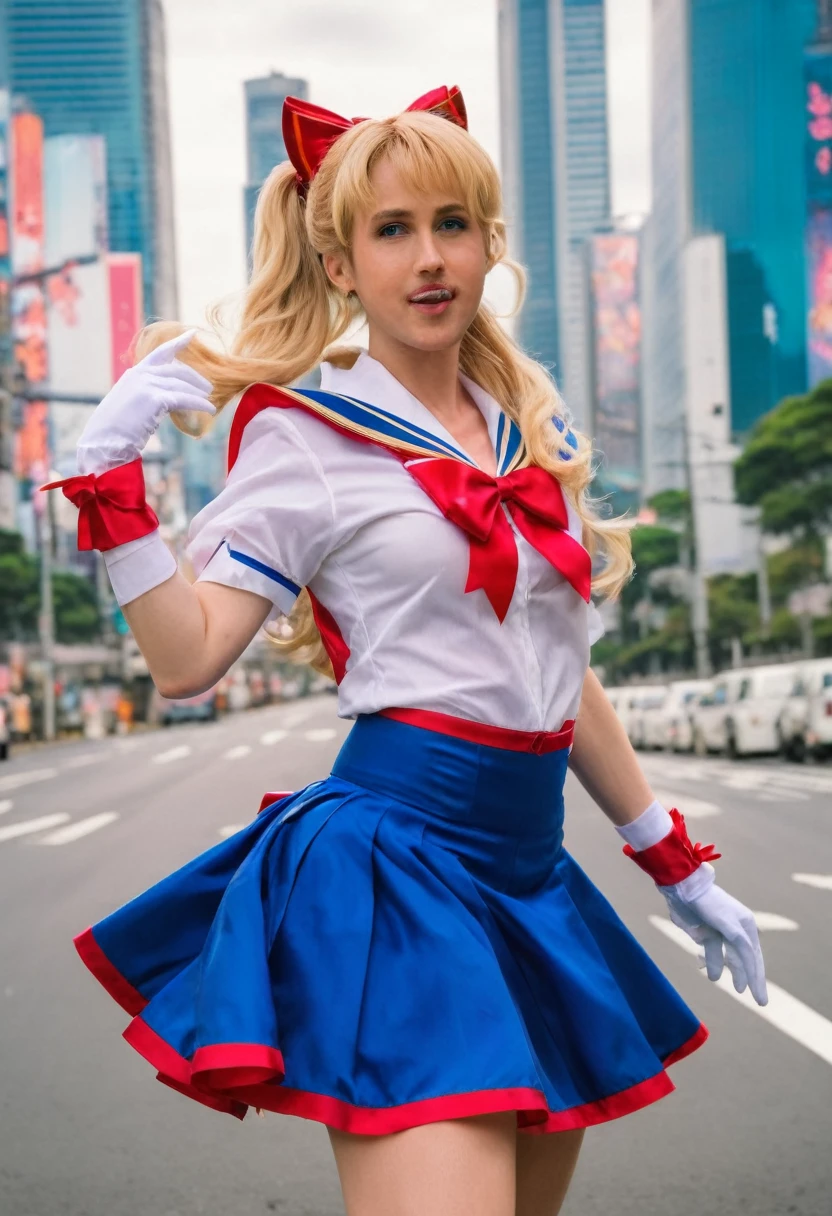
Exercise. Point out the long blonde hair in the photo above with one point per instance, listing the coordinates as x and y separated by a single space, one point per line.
292 314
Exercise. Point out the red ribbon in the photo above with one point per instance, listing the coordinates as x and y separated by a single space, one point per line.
112 508
672 859
473 501
310 131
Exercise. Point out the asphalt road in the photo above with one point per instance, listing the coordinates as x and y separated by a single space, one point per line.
85 1130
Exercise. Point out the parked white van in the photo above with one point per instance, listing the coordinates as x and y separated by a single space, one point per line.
805 722
740 716
670 724
640 701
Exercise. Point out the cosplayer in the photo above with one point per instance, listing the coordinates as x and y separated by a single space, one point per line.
403 950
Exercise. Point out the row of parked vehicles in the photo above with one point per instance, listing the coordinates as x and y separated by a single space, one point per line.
785 708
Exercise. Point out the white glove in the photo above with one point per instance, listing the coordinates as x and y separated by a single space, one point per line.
713 918
727 931
131 412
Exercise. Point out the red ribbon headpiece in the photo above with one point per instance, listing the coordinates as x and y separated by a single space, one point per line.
473 500
111 506
310 131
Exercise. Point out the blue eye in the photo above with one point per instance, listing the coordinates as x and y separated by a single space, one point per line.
459 224
390 230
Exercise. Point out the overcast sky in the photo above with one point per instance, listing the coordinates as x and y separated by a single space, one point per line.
360 57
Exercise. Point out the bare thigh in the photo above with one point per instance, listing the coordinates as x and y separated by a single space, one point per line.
545 1165
459 1167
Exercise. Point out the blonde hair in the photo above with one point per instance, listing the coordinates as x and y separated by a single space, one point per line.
292 313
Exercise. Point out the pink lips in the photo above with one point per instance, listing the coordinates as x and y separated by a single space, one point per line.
432 299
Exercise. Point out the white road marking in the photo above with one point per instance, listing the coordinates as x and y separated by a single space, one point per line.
231 829
83 827
773 920
322 735
83 761
15 780
691 808
6 804
32 825
273 736
800 1022
237 753
173 753
297 714
823 882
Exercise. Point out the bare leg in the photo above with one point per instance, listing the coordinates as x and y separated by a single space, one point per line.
459 1167
545 1165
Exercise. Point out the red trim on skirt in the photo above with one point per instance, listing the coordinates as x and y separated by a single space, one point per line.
536 741
119 988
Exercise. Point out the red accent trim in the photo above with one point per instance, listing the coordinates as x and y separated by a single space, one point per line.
332 638
239 1059
112 508
119 988
270 799
537 742
673 858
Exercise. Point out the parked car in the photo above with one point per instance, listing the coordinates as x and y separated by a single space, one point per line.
635 705
668 724
805 722
740 717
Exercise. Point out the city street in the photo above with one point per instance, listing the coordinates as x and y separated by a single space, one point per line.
85 1130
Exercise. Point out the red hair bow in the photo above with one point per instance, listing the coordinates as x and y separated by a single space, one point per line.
310 131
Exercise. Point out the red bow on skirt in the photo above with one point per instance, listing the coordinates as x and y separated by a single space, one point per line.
112 507
474 501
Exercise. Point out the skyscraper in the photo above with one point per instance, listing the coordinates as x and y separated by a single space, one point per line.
264 134
555 171
99 68
727 158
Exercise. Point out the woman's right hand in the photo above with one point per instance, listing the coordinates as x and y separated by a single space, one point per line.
131 412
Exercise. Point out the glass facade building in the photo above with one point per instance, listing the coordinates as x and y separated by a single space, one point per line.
555 171
99 67
264 134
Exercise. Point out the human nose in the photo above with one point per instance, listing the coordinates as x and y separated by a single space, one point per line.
429 257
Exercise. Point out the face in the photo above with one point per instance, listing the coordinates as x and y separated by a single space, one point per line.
418 266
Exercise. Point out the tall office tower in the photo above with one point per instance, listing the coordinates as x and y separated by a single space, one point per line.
727 158
264 134
555 171
99 68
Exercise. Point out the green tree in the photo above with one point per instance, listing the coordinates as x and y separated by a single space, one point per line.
786 467
76 607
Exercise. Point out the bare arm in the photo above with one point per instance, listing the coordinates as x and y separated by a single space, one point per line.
603 760
191 634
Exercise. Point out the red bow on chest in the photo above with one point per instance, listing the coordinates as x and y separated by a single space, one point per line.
473 500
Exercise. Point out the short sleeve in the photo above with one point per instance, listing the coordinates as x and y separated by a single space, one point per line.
272 524
595 624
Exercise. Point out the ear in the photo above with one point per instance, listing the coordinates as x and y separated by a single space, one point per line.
339 271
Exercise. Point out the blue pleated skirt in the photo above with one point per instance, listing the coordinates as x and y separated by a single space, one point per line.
403 942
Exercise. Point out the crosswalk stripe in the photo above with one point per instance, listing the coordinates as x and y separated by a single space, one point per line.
6 804
800 1022
82 827
13 830
83 761
237 753
322 735
173 753
823 882
15 780
691 808
273 736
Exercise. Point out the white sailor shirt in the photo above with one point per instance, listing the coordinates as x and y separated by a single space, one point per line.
308 506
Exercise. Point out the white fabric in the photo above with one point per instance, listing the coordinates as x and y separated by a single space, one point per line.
727 931
317 508
648 829
121 425
139 566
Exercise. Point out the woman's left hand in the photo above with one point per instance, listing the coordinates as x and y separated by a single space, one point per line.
728 932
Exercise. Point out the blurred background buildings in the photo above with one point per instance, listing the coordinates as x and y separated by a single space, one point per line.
265 148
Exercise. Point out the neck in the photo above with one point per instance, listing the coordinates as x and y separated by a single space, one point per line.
431 376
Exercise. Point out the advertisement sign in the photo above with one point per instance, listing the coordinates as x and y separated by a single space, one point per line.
819 280
126 308
818 125
75 191
5 257
616 325
28 305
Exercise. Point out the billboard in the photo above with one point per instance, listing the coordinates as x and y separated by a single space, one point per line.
75 193
818 125
819 280
28 304
818 160
126 308
616 359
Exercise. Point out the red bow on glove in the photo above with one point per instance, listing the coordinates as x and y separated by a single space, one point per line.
112 506
310 131
671 860
473 500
